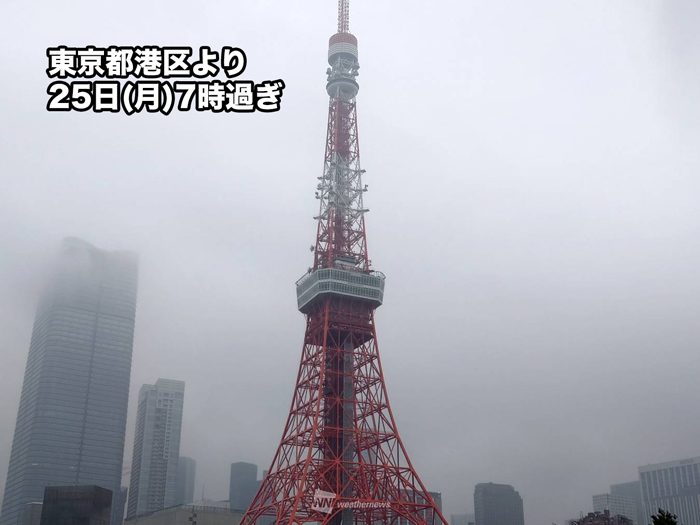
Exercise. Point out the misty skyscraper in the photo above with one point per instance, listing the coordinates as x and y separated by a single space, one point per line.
184 484
243 485
496 504
633 490
72 412
156 447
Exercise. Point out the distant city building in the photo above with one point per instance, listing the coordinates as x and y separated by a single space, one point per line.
429 515
461 519
190 515
32 513
617 505
244 485
73 505
632 490
71 421
601 518
156 447
184 483
673 486
496 504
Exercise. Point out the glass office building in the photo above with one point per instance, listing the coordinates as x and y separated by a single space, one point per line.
496 504
243 486
71 420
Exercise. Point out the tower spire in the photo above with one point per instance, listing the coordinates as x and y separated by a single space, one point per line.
343 16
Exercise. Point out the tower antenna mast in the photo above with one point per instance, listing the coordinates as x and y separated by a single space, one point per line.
343 16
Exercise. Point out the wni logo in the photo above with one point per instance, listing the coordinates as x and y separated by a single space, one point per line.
324 501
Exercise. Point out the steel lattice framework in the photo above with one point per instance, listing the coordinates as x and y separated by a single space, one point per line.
341 437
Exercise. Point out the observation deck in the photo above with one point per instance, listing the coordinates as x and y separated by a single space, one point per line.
368 287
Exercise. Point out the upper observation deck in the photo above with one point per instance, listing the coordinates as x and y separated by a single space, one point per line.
368 287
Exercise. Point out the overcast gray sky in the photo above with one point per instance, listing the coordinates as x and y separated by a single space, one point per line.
534 187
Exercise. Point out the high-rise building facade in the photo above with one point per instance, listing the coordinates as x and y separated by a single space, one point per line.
156 447
119 504
631 489
617 504
84 505
32 513
673 486
244 484
184 483
71 420
496 504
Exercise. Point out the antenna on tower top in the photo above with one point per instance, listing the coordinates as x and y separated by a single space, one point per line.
343 16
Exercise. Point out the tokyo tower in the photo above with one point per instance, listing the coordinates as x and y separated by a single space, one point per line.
340 460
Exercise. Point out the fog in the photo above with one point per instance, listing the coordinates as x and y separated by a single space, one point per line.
533 172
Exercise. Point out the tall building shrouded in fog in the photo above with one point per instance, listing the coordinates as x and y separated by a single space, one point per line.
673 486
184 483
156 447
244 484
72 411
631 489
496 504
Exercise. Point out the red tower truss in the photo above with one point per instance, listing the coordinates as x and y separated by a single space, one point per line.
341 460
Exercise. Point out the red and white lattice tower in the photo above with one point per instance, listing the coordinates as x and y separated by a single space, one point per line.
341 460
